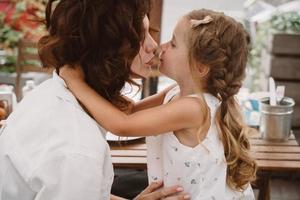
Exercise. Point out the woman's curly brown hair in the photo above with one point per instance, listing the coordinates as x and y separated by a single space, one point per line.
223 46
102 36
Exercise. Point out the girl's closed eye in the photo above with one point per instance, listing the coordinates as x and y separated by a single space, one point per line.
172 44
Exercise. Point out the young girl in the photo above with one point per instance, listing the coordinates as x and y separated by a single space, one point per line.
204 147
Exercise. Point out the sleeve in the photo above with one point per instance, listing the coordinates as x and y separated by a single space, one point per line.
70 177
154 158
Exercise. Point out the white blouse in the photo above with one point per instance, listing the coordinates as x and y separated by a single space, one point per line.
50 149
201 170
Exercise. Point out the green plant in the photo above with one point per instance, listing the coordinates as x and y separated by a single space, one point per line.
19 19
285 22
8 36
288 22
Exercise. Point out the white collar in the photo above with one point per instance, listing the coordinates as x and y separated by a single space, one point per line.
62 91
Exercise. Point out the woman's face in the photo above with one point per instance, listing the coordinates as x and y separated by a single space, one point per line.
141 64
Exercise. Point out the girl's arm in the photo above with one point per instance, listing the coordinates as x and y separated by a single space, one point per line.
183 113
152 101
69 73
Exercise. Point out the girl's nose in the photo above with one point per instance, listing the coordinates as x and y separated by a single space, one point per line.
163 47
158 52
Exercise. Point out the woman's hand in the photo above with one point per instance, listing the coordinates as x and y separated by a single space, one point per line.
71 74
156 191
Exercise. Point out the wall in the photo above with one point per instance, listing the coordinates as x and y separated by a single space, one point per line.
174 9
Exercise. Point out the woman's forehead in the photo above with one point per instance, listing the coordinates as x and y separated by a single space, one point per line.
146 22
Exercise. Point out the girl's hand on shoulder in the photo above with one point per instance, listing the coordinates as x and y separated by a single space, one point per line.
71 74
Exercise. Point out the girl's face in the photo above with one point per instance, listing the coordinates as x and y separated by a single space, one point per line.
174 56
141 64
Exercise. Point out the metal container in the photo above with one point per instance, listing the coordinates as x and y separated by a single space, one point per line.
276 121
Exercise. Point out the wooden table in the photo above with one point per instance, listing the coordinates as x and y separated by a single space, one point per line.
271 157
274 157
130 154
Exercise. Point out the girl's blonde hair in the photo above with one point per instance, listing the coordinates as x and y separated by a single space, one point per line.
222 45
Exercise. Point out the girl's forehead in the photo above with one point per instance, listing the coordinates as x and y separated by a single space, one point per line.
181 27
182 22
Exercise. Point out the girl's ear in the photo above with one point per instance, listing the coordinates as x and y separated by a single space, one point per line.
203 70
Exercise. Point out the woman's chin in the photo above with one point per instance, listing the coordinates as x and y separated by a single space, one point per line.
142 73
137 76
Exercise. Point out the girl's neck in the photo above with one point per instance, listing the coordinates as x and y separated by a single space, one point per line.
187 87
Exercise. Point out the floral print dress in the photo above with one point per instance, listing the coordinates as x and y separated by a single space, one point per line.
201 170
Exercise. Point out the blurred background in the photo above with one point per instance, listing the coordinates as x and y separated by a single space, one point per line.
274 26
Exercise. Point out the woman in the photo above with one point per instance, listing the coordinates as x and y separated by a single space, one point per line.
110 40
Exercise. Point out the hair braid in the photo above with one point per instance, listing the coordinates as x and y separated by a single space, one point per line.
222 45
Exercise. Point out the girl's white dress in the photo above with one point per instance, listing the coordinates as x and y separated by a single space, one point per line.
201 170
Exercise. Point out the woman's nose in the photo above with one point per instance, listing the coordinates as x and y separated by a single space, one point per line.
151 45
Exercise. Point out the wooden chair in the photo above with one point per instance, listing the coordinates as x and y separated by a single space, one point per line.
27 61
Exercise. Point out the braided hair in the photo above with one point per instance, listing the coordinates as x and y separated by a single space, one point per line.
223 45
